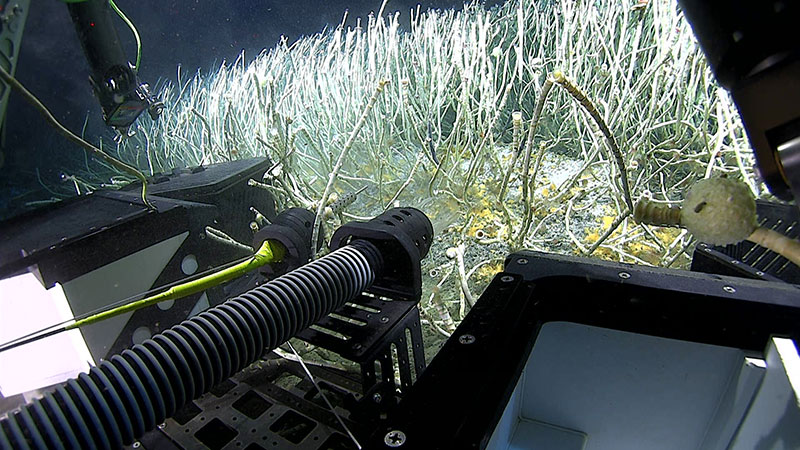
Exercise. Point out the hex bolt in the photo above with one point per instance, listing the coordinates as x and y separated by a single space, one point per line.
394 438
466 339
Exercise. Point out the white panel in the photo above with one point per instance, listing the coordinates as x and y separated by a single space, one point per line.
534 435
125 278
624 390
26 307
734 404
773 421
501 437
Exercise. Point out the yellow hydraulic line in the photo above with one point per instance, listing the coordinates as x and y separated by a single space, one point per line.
270 251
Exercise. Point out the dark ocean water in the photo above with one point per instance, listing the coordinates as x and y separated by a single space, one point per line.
195 34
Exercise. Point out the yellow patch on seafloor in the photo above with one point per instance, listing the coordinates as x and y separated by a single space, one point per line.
489 270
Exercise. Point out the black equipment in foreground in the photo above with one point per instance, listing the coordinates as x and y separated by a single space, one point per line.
560 352
90 243
583 347
130 393
558 348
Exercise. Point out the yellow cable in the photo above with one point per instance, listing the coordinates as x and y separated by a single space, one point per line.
270 251
133 30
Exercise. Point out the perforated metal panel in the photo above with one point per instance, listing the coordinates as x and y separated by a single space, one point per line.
748 259
269 405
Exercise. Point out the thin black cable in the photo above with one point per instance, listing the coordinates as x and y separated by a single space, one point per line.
54 329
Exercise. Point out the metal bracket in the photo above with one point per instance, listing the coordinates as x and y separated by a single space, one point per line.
370 332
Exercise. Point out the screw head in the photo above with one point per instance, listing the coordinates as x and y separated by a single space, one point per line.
162 425
760 273
522 261
624 275
357 347
136 444
384 319
506 278
729 289
376 397
394 438
466 339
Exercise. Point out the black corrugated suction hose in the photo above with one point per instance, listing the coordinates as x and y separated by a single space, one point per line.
131 393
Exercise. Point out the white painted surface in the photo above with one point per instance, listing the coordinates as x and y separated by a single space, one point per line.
598 389
773 421
124 279
25 307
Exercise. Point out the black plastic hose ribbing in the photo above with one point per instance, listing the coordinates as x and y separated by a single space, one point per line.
132 392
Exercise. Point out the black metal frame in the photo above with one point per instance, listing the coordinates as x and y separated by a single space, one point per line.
460 398
271 404
383 332
488 350
372 335
84 233
746 259
215 195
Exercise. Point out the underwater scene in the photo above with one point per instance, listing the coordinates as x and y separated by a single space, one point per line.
511 125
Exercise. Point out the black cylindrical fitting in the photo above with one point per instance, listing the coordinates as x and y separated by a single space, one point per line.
411 222
292 228
402 236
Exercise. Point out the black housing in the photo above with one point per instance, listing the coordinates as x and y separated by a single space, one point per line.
403 236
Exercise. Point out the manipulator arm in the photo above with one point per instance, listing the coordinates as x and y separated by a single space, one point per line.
122 95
